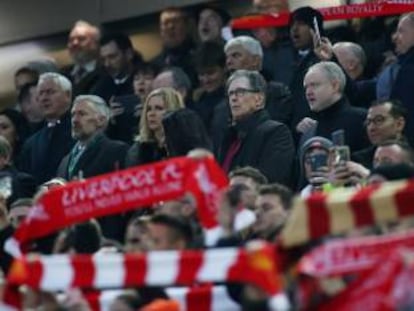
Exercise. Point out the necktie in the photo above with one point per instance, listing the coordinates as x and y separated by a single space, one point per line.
74 158
79 74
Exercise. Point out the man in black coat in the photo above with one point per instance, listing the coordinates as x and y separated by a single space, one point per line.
83 47
244 52
254 139
43 151
397 80
119 59
301 26
177 44
324 86
93 153
385 122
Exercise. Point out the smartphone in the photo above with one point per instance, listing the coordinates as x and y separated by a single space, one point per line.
318 160
341 155
338 137
317 31
129 102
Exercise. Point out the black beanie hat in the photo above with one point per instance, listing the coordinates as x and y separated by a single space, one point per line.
306 15
394 171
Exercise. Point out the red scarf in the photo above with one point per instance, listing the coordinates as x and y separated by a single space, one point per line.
125 190
377 8
355 255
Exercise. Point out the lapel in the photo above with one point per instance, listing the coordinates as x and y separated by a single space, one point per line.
87 81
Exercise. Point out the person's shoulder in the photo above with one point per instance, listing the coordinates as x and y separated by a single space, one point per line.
113 143
272 124
277 88
67 69
35 136
358 111
272 127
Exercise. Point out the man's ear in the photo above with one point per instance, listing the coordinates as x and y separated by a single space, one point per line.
336 86
256 62
101 121
400 122
68 95
352 64
260 100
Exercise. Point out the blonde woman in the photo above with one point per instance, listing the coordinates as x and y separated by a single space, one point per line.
150 144
167 129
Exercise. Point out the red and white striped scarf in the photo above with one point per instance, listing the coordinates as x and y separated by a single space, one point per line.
256 264
342 210
157 268
124 190
355 255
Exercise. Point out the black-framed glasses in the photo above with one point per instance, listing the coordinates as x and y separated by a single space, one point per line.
377 120
241 92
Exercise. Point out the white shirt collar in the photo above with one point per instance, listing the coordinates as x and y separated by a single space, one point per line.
121 81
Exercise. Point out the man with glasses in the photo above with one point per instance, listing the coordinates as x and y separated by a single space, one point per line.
244 52
254 139
385 121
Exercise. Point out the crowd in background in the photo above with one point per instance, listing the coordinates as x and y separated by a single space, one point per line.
282 110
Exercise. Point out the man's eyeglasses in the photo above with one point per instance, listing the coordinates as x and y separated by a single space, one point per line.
377 121
240 92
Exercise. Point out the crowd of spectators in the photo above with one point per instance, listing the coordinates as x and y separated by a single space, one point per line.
282 111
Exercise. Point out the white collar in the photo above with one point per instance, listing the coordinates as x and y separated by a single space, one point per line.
53 123
121 80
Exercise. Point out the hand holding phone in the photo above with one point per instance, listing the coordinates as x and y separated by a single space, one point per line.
341 155
341 152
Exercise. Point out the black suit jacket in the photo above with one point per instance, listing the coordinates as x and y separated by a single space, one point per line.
88 84
266 145
103 155
43 151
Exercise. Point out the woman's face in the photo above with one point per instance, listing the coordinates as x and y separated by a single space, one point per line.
155 112
7 130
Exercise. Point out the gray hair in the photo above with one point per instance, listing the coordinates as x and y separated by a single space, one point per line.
410 17
333 72
180 78
60 80
250 44
355 49
98 104
256 80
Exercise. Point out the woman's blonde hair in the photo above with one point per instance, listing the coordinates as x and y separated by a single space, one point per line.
172 100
